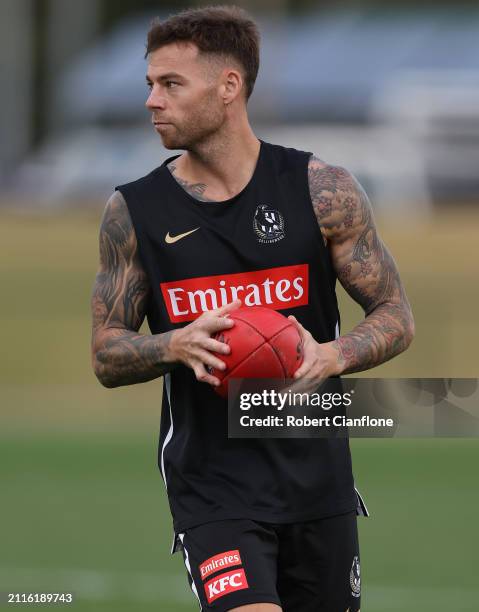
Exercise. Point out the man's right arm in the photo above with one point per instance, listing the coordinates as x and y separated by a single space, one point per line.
120 355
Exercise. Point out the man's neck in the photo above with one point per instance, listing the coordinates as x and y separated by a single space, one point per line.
219 168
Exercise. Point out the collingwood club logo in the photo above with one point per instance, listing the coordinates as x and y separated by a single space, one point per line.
268 224
355 578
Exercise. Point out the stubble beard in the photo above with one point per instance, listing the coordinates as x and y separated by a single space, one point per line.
196 130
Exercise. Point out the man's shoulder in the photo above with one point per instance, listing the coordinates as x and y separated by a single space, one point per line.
287 160
327 176
142 181
322 175
285 151
341 175
339 201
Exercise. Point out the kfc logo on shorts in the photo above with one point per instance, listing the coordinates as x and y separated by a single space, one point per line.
219 562
225 583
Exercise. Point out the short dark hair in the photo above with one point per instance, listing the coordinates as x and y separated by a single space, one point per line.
222 30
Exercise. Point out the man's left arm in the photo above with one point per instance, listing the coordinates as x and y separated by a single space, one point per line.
366 270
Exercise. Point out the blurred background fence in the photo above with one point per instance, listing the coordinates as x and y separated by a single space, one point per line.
389 90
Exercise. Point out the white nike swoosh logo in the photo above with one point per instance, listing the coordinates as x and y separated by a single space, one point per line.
171 239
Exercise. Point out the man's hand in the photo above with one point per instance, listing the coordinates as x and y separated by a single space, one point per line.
320 361
192 344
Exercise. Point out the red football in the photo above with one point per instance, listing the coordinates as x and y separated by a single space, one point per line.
264 344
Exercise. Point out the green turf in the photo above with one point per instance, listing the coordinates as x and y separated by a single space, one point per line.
83 504
86 512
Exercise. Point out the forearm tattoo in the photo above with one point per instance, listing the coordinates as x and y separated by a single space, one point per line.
364 267
120 355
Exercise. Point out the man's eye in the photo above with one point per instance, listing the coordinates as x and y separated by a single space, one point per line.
171 84
149 85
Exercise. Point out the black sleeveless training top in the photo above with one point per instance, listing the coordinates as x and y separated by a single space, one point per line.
265 246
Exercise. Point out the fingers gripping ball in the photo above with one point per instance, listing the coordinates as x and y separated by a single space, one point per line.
263 343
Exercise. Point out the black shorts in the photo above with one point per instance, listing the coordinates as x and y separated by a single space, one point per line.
310 566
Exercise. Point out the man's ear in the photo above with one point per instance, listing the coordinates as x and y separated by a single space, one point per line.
232 85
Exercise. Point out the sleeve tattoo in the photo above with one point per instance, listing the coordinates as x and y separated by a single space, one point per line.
120 355
364 267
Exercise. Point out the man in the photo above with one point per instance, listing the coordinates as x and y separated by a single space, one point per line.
264 525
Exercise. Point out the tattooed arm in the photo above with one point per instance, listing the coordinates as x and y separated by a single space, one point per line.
364 267
367 272
120 355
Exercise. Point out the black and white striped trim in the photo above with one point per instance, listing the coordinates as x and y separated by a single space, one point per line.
188 568
361 508
169 435
176 544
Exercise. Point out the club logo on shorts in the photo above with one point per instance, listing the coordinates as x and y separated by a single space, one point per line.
268 224
355 578
225 583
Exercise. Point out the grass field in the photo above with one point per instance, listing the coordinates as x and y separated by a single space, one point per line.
83 505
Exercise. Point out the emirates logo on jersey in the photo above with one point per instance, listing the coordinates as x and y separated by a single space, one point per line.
276 288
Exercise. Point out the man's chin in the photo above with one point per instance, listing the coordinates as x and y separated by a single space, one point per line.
171 143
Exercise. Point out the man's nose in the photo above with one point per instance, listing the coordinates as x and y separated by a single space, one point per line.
155 100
